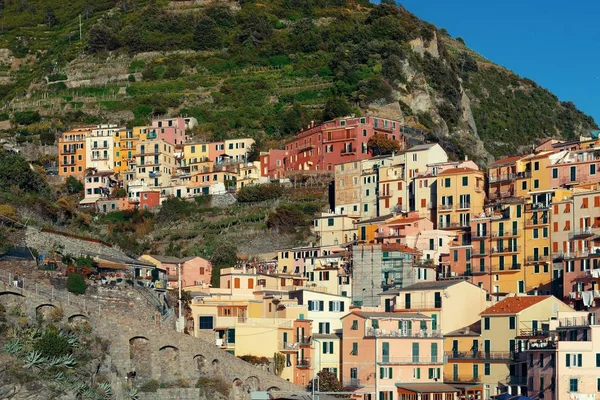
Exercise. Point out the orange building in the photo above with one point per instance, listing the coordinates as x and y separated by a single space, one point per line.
71 152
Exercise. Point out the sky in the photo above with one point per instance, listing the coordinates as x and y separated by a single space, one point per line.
554 42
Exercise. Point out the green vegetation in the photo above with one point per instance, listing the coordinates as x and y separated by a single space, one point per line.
381 145
76 283
256 193
278 64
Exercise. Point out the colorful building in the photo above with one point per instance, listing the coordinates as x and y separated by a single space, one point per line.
72 152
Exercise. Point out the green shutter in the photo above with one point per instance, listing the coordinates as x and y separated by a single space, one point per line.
381 373
568 360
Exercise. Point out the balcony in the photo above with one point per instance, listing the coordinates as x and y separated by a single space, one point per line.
305 341
288 346
306 146
479 189
134 199
538 258
453 225
504 250
303 363
480 355
413 360
402 333
348 152
461 378
463 206
536 206
67 163
503 178
480 235
504 234
354 383
155 174
581 233
506 268
533 333
71 150
445 207
536 222
425 305
479 252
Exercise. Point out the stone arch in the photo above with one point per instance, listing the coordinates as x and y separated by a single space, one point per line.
169 363
215 366
12 293
12 300
237 388
140 357
44 310
200 362
273 389
252 383
76 318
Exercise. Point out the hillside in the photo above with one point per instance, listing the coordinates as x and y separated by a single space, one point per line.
264 69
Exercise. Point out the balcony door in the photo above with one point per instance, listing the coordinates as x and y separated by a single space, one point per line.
385 352
415 352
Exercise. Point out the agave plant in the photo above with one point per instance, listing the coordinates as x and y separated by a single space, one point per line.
34 359
13 346
60 377
132 394
88 393
77 386
72 338
106 389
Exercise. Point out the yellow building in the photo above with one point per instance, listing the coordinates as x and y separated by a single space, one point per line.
460 197
124 149
155 162
533 174
501 324
465 365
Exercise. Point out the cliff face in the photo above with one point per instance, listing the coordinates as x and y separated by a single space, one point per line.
266 69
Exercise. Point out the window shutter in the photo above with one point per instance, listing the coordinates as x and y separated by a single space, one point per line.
390 372
579 361
381 373
324 347
321 305
430 373
418 373
568 360
341 306
310 305
331 306
438 375
330 347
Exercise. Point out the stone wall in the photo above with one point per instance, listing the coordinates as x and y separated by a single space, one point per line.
222 200
45 242
153 351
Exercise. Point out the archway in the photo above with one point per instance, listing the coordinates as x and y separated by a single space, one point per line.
141 358
169 363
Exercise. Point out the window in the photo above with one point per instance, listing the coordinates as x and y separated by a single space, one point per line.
354 351
417 373
205 322
512 322
536 166
597 359
385 373
486 369
366 208
592 169
573 385
536 183
486 323
465 181
329 221
554 173
524 185
354 325
327 347
573 360
447 182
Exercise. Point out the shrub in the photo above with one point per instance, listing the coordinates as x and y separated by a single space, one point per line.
76 284
27 117
73 185
150 387
51 344
255 193
213 385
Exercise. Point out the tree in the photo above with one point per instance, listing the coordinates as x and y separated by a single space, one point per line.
335 107
101 38
16 172
76 284
47 138
253 154
224 255
393 69
381 145
27 117
49 16
73 186
326 382
207 35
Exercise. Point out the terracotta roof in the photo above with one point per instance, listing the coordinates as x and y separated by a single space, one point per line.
505 160
514 305
403 220
462 170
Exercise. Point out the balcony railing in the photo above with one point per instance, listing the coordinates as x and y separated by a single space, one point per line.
354 383
463 206
509 249
445 207
305 341
462 378
480 235
536 206
538 221
517 380
581 233
289 346
538 258
413 360
303 363
502 178
479 355
403 333
425 305
505 233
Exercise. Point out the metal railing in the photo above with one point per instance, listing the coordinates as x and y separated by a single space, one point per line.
581 232
539 257
500 268
445 207
289 346
354 383
424 305
479 355
508 249
505 233
413 360
303 363
462 378
463 206
400 333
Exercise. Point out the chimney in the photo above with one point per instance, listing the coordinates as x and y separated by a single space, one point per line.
467 330
466 157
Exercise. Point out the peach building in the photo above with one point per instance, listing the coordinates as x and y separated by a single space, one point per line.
194 270
72 152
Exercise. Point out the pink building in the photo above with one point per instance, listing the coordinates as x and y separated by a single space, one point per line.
320 148
170 130
575 167
195 271
384 351
272 164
